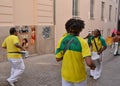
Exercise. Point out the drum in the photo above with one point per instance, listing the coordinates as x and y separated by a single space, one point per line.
25 54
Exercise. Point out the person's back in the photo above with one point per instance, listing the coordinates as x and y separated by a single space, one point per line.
73 62
73 67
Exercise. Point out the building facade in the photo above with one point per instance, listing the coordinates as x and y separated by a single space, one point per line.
34 20
42 22
97 14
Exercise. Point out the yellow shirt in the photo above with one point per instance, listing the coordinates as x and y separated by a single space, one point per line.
100 42
73 67
9 43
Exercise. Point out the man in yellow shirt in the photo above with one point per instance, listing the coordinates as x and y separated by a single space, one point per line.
73 68
12 44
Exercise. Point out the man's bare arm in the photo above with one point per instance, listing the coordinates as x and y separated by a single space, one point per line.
90 62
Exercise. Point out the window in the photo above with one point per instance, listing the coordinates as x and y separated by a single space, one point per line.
110 10
91 9
116 14
75 8
54 9
102 10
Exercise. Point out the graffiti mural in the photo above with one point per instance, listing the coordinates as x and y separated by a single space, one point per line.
46 32
27 37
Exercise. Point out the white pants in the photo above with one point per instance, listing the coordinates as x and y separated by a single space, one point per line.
97 72
17 68
65 83
116 48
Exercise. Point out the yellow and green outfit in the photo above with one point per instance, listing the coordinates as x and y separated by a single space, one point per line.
100 43
73 67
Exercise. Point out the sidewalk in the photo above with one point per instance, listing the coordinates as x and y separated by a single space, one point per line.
40 71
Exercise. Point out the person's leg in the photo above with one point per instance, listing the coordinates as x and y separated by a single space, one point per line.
65 83
98 70
12 68
11 73
19 67
84 83
116 48
91 73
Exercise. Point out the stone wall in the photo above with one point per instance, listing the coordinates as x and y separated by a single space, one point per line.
45 39
4 32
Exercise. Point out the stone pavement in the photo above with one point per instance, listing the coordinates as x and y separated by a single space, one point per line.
43 70
40 71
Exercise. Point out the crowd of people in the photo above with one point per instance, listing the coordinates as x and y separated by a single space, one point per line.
72 50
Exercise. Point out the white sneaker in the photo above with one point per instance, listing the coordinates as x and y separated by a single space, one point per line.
11 83
96 77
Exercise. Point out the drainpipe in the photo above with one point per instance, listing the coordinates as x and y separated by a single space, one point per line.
118 25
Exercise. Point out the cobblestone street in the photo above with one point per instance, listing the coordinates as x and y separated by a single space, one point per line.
40 71
45 71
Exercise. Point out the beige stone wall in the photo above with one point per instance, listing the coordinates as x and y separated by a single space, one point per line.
63 13
96 22
45 39
26 12
44 12
6 12
4 32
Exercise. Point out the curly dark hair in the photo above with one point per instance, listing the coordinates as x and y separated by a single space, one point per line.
74 26
12 30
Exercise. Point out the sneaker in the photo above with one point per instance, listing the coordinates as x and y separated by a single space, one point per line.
10 83
96 77
115 54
